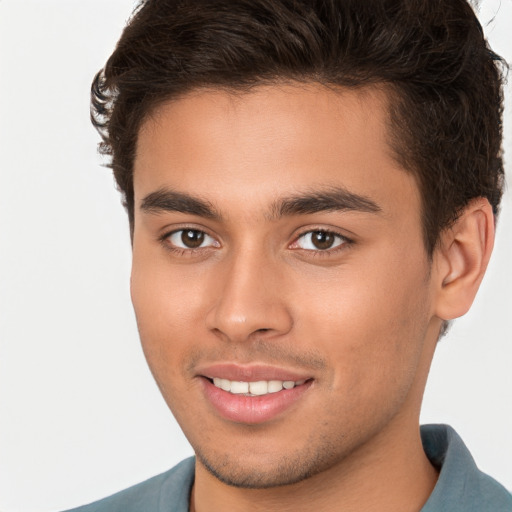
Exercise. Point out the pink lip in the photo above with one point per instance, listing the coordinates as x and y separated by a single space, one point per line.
251 409
250 373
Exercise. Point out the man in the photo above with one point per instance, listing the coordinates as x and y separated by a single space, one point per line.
312 189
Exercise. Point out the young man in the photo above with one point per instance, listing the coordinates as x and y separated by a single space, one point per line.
312 189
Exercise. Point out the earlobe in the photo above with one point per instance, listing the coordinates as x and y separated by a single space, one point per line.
461 259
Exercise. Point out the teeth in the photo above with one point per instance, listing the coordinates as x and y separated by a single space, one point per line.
261 387
239 388
258 388
274 386
224 384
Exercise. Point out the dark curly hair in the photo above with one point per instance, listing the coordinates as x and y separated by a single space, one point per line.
445 83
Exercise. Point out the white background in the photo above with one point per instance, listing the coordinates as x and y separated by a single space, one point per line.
80 416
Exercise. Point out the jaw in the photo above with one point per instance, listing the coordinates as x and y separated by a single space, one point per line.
389 471
283 454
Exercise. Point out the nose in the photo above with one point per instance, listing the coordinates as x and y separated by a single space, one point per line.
251 300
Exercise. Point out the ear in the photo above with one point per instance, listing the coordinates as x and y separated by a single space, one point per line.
461 258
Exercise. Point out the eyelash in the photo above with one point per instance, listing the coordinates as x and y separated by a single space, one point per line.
345 242
181 251
326 253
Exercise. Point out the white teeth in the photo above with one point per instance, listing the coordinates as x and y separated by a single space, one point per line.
274 386
239 387
225 384
258 388
261 387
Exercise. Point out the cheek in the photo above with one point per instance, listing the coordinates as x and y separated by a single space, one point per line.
166 298
372 326
167 311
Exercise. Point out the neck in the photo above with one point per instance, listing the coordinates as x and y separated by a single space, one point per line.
389 473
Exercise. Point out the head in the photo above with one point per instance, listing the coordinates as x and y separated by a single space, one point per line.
311 189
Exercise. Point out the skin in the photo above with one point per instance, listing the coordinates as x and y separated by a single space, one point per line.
361 319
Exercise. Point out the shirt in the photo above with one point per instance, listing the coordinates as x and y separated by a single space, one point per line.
461 486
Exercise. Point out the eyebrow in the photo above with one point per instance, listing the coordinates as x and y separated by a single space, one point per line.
325 200
165 200
315 201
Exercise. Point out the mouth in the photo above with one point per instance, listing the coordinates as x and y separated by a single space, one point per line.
255 394
256 388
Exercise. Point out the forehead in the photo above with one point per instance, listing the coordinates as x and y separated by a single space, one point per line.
272 139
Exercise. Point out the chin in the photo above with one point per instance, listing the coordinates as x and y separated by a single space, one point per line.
266 471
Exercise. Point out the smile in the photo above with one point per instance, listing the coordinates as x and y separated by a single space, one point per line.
253 401
257 388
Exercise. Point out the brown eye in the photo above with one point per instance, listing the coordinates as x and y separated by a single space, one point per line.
322 239
319 241
191 239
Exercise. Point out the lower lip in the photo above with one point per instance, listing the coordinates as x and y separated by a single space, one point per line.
252 409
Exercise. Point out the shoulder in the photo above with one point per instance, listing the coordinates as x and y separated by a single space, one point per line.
168 491
461 485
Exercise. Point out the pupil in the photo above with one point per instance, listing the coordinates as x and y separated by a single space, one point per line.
192 238
322 240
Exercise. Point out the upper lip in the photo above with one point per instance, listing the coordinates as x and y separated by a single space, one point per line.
250 373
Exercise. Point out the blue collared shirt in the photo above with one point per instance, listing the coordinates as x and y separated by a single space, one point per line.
461 486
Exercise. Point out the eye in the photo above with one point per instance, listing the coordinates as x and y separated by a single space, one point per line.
318 241
191 239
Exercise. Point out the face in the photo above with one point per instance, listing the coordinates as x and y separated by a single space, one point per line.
280 281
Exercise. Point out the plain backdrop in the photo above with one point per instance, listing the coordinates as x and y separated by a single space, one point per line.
80 416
